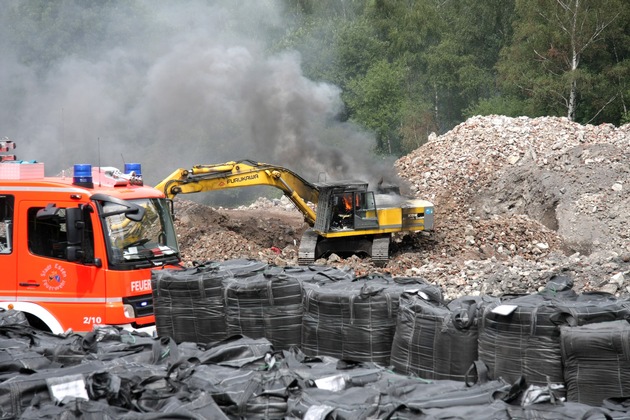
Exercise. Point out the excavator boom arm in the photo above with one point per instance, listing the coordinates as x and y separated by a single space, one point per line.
240 174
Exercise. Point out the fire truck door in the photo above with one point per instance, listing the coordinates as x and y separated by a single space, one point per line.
8 258
73 291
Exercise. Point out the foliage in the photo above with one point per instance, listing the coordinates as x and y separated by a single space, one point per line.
375 101
447 49
405 68
461 67
561 57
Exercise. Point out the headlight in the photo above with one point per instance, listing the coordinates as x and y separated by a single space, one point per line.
129 312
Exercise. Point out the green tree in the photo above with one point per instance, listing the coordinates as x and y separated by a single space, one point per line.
377 100
461 67
408 30
442 54
450 48
561 55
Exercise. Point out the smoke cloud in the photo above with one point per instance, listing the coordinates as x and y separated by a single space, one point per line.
192 83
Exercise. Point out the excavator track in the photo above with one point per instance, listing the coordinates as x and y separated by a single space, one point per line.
380 251
306 253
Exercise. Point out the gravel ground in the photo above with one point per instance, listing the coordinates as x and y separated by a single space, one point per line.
517 201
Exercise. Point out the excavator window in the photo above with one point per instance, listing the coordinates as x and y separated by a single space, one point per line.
365 213
343 211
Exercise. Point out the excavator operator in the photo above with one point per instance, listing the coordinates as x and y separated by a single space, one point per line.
342 217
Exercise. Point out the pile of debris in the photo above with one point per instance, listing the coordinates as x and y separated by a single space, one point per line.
517 200
521 199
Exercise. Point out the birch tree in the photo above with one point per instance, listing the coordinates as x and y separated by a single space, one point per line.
583 26
555 43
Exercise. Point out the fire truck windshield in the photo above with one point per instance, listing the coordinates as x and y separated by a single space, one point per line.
150 241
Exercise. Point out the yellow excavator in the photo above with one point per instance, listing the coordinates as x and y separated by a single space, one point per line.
344 217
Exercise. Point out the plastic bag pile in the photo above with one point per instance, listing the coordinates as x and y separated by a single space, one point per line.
242 339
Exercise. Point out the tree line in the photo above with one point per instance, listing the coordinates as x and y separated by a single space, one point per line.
406 68
410 68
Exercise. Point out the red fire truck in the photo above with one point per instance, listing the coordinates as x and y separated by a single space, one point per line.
77 250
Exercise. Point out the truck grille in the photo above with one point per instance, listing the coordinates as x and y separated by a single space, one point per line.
142 304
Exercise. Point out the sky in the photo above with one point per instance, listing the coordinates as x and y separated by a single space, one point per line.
171 84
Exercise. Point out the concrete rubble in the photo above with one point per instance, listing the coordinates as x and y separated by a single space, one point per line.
517 200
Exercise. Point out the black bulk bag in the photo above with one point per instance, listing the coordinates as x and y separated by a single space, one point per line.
12 317
319 274
61 349
500 410
243 393
353 320
236 351
188 303
265 304
521 336
435 339
241 375
240 266
370 391
14 360
24 390
347 404
596 360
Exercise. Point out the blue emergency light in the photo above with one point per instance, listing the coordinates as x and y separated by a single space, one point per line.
82 175
135 168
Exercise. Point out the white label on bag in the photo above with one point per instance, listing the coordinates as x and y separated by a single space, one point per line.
504 309
331 383
71 386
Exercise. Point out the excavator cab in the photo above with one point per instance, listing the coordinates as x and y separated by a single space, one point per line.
345 206
345 223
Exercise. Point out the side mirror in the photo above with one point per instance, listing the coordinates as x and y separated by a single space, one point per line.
136 214
74 225
74 231
74 253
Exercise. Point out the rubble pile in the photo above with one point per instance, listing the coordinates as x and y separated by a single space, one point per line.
266 230
517 200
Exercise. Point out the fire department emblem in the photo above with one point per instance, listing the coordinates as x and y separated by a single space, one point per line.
54 277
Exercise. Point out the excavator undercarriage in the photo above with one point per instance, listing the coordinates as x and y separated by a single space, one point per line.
314 246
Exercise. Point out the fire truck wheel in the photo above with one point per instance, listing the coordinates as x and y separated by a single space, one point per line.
37 323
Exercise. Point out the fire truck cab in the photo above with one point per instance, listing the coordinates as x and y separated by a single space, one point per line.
77 251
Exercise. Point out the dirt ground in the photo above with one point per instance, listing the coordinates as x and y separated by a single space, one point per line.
207 233
517 201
